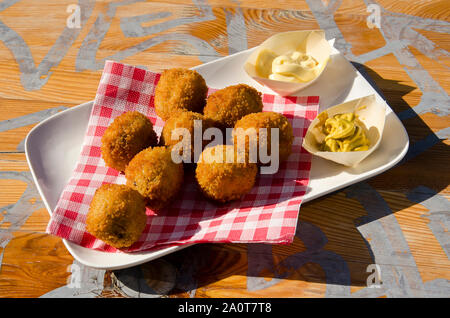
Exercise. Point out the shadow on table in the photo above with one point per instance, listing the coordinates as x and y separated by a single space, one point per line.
327 250
425 164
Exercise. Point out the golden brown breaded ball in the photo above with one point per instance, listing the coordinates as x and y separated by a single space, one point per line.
226 106
264 120
153 173
222 176
179 89
128 134
186 120
116 215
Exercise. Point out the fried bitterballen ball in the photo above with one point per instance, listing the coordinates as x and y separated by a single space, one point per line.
244 127
179 89
128 134
191 127
228 105
222 175
154 174
116 215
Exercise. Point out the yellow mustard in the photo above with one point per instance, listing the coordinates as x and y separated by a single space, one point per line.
343 133
292 67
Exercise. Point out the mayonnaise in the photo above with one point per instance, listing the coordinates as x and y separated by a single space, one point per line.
292 67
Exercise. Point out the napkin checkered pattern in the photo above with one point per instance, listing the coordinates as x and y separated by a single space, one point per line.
267 214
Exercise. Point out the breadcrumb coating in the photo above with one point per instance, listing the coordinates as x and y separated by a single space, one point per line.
179 89
186 119
128 134
221 176
116 215
155 176
228 105
265 120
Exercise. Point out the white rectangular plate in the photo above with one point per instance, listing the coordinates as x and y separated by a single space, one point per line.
52 147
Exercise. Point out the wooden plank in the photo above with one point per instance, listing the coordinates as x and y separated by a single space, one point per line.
33 264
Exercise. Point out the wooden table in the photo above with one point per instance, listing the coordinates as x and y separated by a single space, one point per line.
385 237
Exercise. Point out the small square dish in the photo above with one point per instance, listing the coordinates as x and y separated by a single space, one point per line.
53 146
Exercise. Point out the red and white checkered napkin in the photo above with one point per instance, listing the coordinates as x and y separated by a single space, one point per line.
268 214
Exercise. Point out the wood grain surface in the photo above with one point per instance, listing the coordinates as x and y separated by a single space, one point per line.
395 225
